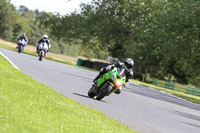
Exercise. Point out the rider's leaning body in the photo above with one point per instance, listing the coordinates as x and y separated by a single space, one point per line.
43 39
23 36
127 65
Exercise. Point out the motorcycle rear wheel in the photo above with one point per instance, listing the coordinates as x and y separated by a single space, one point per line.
105 91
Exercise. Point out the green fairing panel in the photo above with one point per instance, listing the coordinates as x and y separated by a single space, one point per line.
102 79
107 76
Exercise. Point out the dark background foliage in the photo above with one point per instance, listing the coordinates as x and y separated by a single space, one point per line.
162 36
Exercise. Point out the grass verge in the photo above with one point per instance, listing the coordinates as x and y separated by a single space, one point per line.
34 54
29 106
49 57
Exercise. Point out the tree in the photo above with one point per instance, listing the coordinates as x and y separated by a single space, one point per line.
7 17
161 36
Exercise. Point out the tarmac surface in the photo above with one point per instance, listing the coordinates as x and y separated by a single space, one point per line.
142 109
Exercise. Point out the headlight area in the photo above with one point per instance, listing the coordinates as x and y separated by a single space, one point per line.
117 83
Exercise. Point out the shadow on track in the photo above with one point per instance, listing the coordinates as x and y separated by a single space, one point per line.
194 125
88 97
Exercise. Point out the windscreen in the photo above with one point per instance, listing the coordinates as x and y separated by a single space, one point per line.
121 71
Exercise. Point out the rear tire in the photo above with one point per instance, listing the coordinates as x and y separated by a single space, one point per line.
91 92
105 91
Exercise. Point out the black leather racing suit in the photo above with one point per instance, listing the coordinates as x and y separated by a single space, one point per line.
44 40
40 41
23 37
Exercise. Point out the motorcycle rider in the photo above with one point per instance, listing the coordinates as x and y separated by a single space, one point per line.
127 65
23 36
43 39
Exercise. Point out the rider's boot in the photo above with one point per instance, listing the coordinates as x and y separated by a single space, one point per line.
117 91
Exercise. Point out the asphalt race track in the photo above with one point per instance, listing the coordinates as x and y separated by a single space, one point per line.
140 108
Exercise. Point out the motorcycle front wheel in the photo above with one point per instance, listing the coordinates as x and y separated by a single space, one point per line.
40 56
104 92
19 49
91 92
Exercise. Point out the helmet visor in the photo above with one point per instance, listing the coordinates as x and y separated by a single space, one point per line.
129 66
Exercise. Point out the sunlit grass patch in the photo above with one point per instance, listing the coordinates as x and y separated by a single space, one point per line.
29 106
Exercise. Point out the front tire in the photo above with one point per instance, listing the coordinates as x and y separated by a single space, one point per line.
40 58
19 49
91 92
40 55
105 91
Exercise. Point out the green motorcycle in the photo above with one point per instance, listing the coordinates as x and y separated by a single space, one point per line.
108 83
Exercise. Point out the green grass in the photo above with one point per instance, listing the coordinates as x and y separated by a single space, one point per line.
191 98
29 106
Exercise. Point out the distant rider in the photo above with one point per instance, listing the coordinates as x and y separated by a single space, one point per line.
127 65
23 36
43 39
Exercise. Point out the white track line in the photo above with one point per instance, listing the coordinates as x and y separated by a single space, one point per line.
9 61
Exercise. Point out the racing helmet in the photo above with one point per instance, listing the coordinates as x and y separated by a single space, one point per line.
128 63
45 37
23 34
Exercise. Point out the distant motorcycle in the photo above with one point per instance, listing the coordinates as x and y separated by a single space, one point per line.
108 83
43 48
21 44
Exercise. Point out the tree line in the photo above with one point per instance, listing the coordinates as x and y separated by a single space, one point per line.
162 36
14 22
